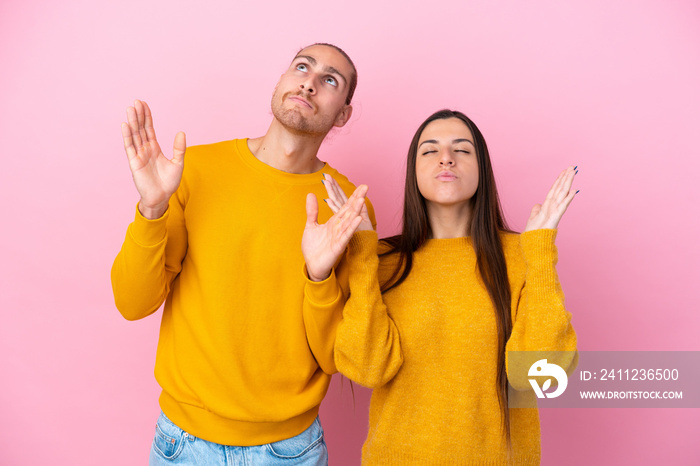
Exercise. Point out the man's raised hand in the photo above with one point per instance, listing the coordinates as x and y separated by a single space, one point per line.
323 244
337 199
156 177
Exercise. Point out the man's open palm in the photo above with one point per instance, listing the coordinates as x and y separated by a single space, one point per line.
156 177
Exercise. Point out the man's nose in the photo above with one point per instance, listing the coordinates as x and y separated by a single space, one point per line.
308 85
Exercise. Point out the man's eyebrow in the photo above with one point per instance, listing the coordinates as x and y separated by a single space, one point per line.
330 69
454 141
327 69
308 58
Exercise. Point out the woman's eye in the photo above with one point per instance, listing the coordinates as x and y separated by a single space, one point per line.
429 152
301 67
462 151
331 80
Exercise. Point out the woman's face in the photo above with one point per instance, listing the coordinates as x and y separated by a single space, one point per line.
446 166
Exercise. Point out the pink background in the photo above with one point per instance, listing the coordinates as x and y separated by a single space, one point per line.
609 86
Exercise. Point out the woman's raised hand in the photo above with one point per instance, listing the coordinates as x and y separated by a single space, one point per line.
155 176
549 213
337 199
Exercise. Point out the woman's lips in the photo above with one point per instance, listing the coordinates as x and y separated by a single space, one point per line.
446 176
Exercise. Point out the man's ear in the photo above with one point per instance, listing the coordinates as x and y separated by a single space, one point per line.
343 116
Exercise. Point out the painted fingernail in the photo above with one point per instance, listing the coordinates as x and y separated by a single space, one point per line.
326 201
324 182
576 172
577 191
575 167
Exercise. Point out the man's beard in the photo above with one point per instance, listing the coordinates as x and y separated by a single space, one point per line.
294 121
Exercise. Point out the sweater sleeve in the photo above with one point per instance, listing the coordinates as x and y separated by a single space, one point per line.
148 262
367 347
541 323
323 309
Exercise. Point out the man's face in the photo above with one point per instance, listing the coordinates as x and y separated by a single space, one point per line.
310 96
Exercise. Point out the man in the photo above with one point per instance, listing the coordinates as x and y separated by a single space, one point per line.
245 353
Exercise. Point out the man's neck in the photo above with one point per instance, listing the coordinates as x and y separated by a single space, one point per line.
287 151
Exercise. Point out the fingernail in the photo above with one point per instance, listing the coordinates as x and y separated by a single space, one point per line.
324 183
575 167
577 191
576 172
325 201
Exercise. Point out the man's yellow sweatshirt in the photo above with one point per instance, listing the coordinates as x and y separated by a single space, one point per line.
245 353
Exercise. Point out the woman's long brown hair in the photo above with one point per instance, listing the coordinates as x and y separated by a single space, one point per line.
486 223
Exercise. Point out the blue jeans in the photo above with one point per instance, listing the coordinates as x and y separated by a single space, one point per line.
172 445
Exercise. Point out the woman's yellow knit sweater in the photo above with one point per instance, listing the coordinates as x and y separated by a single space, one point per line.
429 348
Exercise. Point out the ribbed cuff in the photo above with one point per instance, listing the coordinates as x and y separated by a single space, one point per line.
363 243
146 232
541 258
324 292
538 247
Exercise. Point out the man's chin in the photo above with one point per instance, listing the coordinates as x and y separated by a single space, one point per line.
296 123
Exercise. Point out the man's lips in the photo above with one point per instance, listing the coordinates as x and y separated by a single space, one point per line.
446 176
301 100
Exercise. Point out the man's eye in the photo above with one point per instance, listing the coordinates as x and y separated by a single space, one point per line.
331 80
301 67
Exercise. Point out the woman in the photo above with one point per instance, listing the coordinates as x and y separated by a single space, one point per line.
433 311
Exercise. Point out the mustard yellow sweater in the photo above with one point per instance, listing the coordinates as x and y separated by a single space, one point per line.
245 353
429 348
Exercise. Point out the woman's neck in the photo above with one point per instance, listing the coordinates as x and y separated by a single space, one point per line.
449 221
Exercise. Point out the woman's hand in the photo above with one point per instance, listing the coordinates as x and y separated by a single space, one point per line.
549 213
337 199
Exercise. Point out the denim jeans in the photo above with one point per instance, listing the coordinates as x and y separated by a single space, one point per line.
172 445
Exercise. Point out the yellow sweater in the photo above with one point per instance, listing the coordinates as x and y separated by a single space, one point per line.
245 353
428 347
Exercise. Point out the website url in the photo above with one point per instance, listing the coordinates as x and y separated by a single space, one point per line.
631 395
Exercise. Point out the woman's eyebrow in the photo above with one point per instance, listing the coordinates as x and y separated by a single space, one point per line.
428 141
455 141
